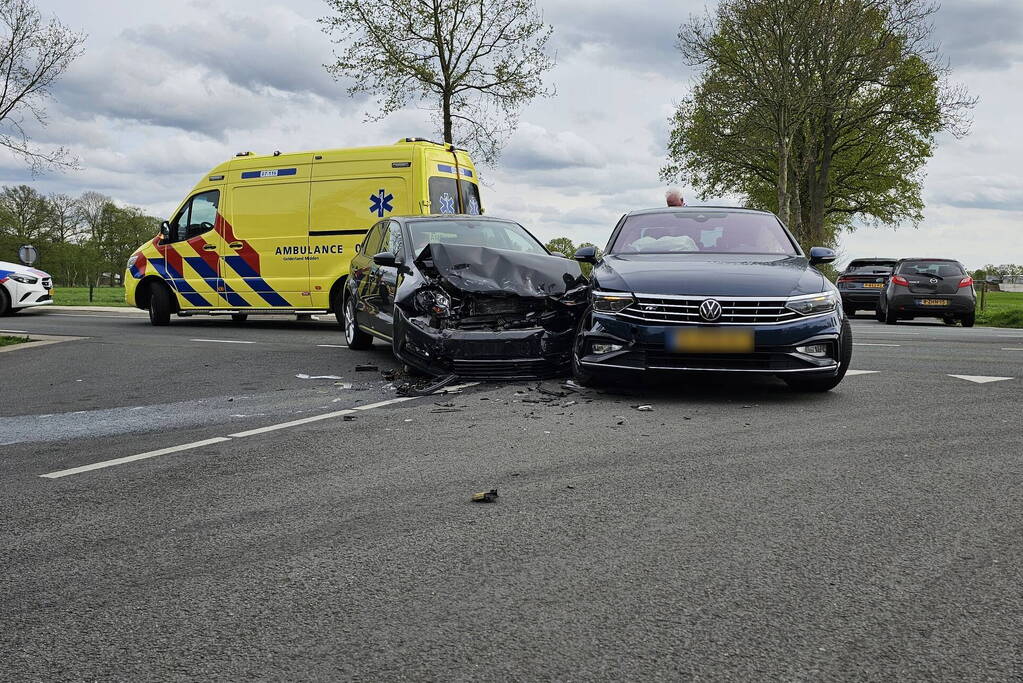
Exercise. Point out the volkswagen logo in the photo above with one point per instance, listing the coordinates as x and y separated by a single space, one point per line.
934 280
710 310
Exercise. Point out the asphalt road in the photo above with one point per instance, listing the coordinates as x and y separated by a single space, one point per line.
735 531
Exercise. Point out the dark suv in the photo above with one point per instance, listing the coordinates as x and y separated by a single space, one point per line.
711 289
862 281
928 288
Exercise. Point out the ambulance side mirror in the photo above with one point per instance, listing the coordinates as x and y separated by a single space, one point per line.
165 230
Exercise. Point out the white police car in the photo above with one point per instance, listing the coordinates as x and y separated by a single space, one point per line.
21 287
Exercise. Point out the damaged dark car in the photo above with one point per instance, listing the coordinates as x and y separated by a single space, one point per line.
464 295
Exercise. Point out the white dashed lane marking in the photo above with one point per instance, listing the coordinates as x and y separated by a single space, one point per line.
222 341
850 373
332 346
1013 348
239 435
981 379
865 344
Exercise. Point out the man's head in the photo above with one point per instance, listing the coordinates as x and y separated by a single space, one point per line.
674 197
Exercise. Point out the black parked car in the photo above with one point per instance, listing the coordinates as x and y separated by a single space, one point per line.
712 289
467 295
861 282
929 288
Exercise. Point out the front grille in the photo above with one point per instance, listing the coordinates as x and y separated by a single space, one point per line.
505 369
496 349
677 310
759 361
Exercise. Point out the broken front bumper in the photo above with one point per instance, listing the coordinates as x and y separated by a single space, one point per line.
529 353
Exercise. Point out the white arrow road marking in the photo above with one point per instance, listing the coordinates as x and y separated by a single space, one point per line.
980 379
850 373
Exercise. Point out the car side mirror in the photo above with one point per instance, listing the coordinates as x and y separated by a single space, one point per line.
165 230
820 255
386 258
586 255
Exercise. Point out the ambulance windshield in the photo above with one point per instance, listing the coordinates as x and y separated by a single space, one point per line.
444 195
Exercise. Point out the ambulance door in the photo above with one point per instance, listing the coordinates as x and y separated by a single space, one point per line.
341 212
189 258
266 252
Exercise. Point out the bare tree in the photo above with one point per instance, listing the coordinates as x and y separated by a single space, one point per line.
34 53
65 218
473 62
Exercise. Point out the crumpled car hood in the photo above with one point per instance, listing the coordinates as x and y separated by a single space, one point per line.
484 270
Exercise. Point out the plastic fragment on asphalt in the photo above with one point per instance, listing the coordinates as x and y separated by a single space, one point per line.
366 367
485 496
644 408
302 375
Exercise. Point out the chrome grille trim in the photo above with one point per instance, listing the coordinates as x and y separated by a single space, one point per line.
669 310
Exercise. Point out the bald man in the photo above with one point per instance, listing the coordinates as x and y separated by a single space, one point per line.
674 197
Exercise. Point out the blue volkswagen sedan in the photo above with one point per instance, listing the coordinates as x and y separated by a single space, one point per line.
708 289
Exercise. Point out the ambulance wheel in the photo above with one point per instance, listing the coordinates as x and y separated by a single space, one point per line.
239 317
159 305
356 338
5 303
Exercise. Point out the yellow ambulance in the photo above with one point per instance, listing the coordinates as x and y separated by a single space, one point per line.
275 233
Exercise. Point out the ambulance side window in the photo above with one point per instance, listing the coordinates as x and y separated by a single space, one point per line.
200 209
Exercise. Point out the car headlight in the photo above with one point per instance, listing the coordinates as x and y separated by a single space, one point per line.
611 302
812 304
24 279
435 301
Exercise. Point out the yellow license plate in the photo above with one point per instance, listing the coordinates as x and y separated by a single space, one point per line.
706 340
875 285
934 302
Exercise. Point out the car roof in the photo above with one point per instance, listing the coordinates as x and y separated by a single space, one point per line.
924 258
449 216
695 209
875 259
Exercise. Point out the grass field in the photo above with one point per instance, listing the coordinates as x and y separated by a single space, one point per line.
10 341
79 296
1001 309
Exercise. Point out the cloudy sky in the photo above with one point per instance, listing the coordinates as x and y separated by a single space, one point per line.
169 88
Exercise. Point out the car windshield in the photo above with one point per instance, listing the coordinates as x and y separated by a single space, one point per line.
718 232
940 269
478 233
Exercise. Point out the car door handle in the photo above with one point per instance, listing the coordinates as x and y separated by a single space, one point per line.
210 247
235 245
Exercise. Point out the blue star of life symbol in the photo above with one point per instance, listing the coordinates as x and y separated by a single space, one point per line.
447 203
380 203
473 208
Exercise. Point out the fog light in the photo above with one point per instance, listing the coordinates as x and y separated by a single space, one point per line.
605 348
819 350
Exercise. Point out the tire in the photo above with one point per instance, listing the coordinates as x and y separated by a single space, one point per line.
822 384
5 303
356 338
159 304
889 317
970 319
338 309
850 311
949 320
879 314
580 374
239 317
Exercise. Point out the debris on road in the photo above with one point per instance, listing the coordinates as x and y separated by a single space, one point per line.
366 367
426 386
390 375
302 375
644 408
485 496
348 418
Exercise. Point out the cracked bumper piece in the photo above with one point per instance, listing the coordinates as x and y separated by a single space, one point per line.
530 353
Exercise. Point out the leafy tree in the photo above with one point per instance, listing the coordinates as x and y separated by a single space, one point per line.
562 245
34 53
65 218
24 217
474 63
821 111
